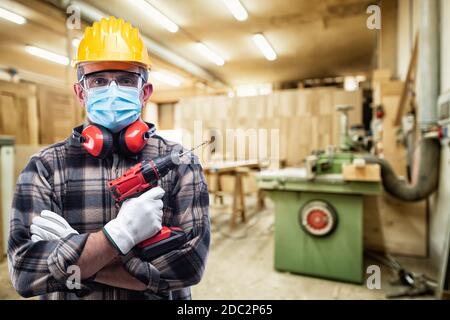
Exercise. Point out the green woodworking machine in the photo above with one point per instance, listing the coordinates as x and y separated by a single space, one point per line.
319 210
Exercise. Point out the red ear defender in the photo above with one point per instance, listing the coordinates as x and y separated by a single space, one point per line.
134 137
97 140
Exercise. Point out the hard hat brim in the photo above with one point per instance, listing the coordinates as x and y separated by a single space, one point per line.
96 66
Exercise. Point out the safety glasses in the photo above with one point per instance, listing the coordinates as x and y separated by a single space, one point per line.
104 79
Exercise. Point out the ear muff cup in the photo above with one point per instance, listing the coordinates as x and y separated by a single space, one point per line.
97 140
133 138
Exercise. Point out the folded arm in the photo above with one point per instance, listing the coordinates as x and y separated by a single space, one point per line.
42 267
38 268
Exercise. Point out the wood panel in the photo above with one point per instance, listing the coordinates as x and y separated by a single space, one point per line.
395 226
387 88
59 113
306 119
22 155
18 112
393 151
166 116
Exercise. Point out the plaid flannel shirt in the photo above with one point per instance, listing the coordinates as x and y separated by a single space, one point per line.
65 179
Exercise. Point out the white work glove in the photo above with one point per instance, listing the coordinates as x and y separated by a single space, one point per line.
138 219
50 226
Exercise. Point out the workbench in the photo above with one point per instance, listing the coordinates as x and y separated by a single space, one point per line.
239 170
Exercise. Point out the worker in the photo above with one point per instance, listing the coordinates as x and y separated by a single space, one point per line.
64 222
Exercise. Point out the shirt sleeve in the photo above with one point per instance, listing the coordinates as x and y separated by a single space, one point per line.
184 266
41 267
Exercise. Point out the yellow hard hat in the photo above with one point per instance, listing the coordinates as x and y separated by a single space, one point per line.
112 39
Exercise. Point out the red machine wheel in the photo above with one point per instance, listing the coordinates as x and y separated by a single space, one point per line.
318 218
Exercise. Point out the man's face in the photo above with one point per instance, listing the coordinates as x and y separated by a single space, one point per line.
104 78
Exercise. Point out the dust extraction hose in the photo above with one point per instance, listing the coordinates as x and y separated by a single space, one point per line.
425 175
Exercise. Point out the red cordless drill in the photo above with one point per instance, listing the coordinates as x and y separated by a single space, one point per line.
140 178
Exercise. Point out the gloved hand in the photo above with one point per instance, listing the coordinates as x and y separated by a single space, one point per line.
138 219
50 226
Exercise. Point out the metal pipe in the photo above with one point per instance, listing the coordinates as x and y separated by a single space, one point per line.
428 63
425 173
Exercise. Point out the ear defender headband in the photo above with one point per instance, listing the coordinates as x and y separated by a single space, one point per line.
99 142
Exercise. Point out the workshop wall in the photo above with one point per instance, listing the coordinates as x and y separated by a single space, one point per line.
18 112
44 114
307 120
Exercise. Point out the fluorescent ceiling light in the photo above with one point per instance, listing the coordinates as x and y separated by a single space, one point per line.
11 16
264 46
209 54
76 42
350 83
48 55
236 9
155 15
166 77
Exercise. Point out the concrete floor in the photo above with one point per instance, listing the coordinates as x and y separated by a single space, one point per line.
240 266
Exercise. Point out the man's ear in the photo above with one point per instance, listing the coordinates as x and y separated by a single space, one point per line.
147 91
79 93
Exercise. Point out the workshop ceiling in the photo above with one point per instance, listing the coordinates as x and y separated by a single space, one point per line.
311 38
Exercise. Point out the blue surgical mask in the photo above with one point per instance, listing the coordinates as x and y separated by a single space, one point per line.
113 107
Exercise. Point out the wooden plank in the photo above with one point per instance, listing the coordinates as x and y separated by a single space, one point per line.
393 151
381 75
388 88
298 136
32 119
9 117
18 89
166 115
368 172
18 109
22 156
410 79
58 114
394 226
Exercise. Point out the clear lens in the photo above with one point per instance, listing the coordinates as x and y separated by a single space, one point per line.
99 80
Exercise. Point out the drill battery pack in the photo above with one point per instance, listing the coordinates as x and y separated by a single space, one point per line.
168 239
